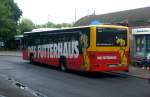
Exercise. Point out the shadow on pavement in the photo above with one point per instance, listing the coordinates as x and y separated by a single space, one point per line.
95 75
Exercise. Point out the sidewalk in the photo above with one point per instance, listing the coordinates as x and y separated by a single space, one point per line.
137 72
133 71
11 53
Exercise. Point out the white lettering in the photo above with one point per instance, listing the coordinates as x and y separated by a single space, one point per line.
55 51
60 49
51 50
106 57
67 49
76 49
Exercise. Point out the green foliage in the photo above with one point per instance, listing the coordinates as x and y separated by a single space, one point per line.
9 15
4 12
8 29
26 25
52 25
15 11
63 25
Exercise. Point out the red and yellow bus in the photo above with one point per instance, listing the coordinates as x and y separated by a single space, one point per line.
92 48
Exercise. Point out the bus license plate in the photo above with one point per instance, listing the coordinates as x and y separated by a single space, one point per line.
111 65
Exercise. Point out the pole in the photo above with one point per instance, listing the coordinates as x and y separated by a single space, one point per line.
75 15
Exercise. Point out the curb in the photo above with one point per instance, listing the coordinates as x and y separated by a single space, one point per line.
12 55
138 77
131 75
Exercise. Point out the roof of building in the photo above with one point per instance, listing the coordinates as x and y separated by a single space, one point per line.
134 17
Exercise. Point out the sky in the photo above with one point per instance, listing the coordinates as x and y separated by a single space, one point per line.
69 11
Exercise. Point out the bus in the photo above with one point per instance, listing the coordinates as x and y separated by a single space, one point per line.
93 48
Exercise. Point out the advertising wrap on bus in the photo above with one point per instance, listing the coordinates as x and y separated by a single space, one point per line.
68 49
90 48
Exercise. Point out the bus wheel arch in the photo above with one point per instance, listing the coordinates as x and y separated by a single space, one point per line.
63 63
31 56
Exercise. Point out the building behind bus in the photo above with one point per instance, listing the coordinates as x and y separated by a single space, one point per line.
137 20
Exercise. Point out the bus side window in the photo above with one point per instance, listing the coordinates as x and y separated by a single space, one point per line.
63 38
37 41
59 38
50 40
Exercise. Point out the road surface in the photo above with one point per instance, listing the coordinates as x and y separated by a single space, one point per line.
47 81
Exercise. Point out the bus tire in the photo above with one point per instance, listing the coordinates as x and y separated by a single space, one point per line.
31 58
63 67
62 64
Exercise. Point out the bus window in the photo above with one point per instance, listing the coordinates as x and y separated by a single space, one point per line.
37 41
109 36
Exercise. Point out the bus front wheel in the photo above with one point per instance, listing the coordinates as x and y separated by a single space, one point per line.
31 58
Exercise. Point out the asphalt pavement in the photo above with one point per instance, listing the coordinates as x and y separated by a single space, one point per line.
133 70
12 88
18 78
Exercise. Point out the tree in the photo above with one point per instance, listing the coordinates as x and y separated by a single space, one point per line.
9 15
4 15
26 25
63 25
52 25
47 25
15 11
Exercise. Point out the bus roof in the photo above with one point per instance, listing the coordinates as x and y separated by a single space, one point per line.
52 29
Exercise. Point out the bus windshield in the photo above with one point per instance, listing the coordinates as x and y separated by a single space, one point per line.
109 36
